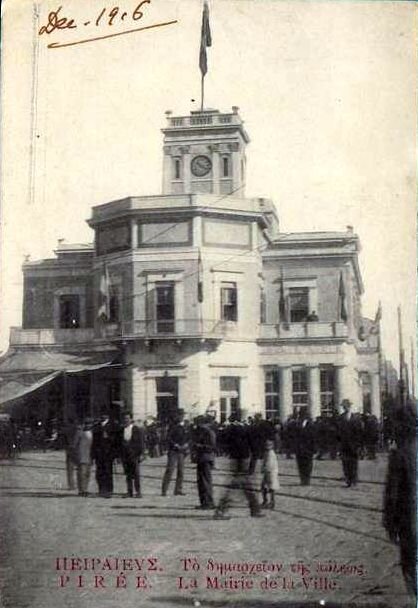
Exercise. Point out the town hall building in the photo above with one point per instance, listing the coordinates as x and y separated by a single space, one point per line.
195 298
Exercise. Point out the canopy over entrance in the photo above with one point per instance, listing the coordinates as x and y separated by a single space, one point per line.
24 372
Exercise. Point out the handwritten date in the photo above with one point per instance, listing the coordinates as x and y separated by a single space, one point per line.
108 16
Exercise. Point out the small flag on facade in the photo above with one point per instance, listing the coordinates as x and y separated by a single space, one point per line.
282 301
199 279
205 40
341 297
103 308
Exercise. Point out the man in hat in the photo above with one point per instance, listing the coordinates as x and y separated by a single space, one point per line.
178 448
304 446
131 450
104 453
350 436
400 498
83 441
204 446
237 446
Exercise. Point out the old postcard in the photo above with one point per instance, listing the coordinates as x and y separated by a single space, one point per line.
207 369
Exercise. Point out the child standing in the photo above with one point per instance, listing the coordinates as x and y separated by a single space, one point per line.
270 469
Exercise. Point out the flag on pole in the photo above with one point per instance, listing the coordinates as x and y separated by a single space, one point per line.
205 40
378 315
341 297
199 279
103 309
282 301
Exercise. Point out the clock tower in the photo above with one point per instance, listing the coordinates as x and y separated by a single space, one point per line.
205 153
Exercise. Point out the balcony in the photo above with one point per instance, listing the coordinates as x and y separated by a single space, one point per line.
45 337
300 331
177 329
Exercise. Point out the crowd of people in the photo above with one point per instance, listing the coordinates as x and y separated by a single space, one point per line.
252 446
249 440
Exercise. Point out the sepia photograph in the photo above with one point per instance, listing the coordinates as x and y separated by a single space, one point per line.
208 304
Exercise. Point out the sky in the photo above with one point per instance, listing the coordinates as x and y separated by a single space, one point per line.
326 90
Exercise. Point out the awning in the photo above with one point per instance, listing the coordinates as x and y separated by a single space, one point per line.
51 360
23 372
14 390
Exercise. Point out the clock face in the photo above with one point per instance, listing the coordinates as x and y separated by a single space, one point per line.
201 166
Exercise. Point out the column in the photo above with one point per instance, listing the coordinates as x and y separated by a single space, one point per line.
286 397
375 395
236 166
134 233
187 176
314 392
167 170
215 170
343 391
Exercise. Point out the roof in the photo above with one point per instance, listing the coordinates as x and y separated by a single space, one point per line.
314 236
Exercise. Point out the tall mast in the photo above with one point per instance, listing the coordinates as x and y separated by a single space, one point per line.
205 41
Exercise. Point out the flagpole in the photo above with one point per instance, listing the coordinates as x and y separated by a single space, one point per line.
401 358
202 92
200 290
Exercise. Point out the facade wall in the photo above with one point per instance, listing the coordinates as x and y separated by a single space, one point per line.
322 276
41 292
199 248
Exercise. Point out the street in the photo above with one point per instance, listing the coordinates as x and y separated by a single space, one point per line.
323 545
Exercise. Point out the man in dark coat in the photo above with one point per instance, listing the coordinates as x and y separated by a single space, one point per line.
304 447
178 448
350 431
371 435
131 450
104 452
289 436
204 447
237 446
260 431
400 506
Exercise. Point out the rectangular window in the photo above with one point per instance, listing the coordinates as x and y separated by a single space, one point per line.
225 166
69 307
327 384
271 393
177 168
229 302
229 396
366 390
166 389
263 306
300 388
298 304
164 306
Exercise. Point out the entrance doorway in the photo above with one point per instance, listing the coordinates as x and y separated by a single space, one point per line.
229 400
166 397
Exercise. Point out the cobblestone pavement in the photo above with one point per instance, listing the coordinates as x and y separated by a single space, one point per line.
42 521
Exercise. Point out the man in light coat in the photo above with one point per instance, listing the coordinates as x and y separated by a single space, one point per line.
83 441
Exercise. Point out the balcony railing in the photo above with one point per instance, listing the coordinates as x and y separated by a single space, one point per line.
176 328
203 120
312 329
43 337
